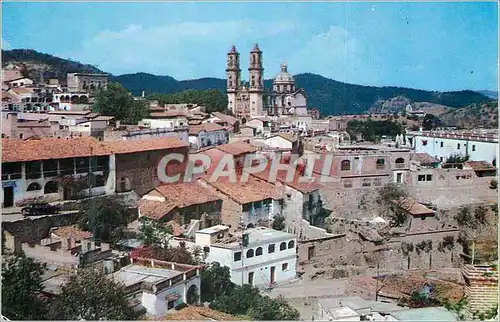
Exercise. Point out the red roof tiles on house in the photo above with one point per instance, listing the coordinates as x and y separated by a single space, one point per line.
207 127
187 194
72 232
245 192
132 146
167 114
51 148
237 148
155 209
281 176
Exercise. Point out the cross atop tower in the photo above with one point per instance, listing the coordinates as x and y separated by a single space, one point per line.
284 68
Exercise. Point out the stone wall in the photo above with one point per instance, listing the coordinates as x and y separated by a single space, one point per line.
33 230
138 171
321 250
451 187
481 289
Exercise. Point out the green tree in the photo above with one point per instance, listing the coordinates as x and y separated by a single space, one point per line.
213 99
91 295
104 217
154 233
431 122
267 309
21 287
116 101
215 282
278 223
238 301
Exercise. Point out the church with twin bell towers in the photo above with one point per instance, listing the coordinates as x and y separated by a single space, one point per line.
245 99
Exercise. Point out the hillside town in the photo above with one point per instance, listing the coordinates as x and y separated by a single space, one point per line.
277 212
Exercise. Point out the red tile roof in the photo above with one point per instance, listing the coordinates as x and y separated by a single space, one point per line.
480 165
288 136
167 114
237 148
187 194
155 209
207 127
245 192
132 146
425 158
413 207
281 176
51 148
72 232
225 118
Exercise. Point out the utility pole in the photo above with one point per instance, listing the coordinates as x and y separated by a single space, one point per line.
242 265
90 171
473 246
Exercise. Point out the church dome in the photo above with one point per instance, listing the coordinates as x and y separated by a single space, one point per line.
284 76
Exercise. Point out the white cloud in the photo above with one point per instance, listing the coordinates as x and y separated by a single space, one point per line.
182 50
336 54
5 44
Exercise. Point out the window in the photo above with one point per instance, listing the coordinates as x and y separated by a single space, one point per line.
345 165
250 253
429 177
377 182
380 163
366 183
284 266
458 146
400 163
247 207
441 143
237 256
34 186
33 170
291 243
283 246
473 147
258 251
348 184
270 249
250 278
421 177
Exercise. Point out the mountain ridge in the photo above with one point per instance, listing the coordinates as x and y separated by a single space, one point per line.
328 95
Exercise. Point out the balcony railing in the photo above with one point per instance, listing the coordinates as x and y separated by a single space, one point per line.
11 176
400 166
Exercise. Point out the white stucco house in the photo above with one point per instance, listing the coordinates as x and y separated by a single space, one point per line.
207 134
442 145
160 286
260 257
165 120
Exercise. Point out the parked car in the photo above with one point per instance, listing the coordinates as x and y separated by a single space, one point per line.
40 209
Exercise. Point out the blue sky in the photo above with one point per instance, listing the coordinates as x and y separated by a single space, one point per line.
434 46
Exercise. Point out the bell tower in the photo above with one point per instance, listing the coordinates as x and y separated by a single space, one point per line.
256 89
233 75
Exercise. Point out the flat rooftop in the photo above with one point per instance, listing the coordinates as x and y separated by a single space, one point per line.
134 274
258 235
425 314
213 230
358 304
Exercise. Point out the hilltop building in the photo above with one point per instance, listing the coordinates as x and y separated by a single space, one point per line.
246 99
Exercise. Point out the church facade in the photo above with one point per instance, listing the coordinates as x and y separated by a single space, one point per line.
249 99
